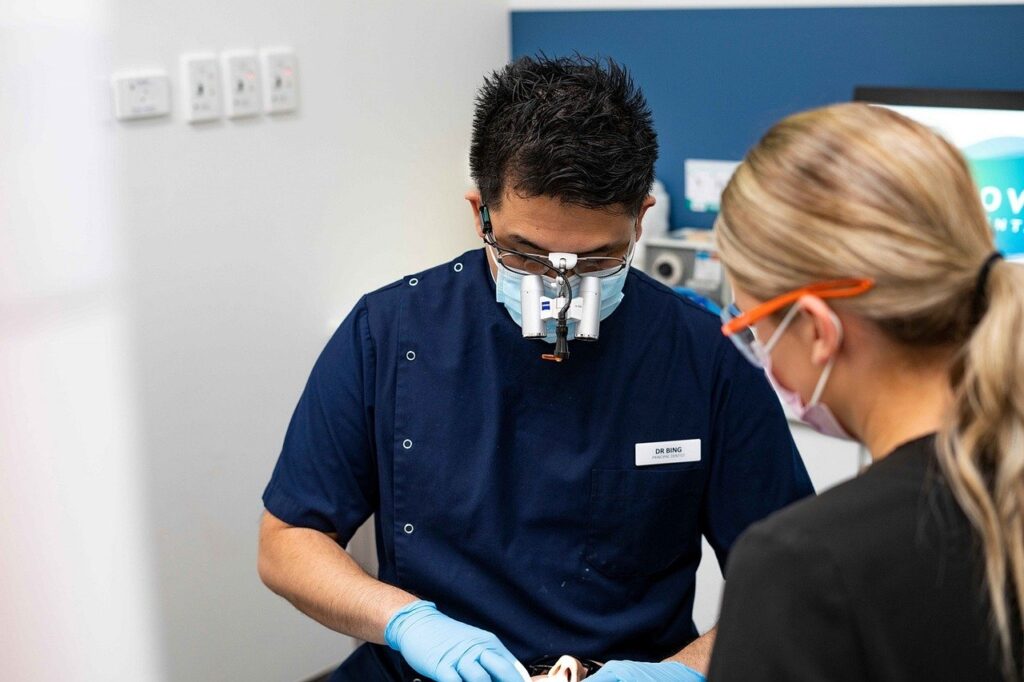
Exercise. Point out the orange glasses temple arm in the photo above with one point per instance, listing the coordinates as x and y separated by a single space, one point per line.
839 288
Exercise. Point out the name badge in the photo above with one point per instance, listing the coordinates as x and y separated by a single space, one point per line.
668 452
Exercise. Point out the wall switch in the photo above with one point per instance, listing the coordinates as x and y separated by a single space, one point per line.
280 80
141 95
241 83
201 87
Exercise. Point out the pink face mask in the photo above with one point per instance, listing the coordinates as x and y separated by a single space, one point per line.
816 413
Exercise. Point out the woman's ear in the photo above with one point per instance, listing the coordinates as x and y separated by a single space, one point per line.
825 326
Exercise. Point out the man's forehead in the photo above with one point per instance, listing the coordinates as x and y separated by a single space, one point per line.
545 242
550 208
545 224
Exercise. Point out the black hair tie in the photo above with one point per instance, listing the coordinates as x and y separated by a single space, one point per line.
980 302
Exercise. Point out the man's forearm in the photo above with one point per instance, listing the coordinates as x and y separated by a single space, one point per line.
310 569
697 654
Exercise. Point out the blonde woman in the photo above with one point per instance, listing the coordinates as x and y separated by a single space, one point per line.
868 287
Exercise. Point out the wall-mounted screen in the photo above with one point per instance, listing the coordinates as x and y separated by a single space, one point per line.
988 127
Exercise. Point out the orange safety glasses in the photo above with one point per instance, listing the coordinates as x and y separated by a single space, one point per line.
836 288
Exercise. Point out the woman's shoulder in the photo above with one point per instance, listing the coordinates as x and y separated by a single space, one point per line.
884 567
880 510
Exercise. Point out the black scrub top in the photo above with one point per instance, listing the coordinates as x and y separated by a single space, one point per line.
880 578
508 489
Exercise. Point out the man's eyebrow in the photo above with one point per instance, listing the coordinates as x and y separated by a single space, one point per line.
523 241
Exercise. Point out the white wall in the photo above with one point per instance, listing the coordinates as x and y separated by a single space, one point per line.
164 290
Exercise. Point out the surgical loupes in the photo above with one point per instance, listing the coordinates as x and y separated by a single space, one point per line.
538 308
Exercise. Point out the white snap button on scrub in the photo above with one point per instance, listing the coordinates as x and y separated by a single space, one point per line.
413 282
457 267
410 356
408 529
407 444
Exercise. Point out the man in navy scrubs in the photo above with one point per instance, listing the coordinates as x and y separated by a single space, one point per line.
526 508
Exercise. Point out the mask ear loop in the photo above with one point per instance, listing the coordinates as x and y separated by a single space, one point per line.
827 372
786 321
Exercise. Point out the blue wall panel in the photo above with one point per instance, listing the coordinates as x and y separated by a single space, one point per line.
716 79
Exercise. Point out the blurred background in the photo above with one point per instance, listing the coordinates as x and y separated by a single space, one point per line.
166 284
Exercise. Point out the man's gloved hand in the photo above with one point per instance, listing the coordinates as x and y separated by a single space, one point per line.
445 649
631 671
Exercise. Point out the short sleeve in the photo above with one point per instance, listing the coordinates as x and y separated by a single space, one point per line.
326 476
786 615
755 466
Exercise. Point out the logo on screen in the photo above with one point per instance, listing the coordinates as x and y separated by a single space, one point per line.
998 168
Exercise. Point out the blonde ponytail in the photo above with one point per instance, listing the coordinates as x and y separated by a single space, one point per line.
858 191
982 449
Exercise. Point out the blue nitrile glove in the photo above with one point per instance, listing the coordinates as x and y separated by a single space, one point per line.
446 650
631 671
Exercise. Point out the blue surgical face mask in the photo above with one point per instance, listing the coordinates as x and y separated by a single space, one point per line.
508 291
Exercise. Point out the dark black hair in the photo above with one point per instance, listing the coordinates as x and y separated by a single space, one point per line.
572 128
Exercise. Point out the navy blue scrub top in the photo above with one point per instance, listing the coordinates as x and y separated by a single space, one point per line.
506 488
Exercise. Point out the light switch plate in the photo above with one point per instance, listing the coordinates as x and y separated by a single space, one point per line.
280 80
241 71
201 87
141 95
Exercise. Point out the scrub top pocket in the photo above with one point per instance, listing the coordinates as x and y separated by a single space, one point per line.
641 521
